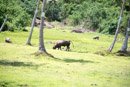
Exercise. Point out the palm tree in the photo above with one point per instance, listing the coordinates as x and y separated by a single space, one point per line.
32 25
41 33
3 23
42 49
118 26
125 44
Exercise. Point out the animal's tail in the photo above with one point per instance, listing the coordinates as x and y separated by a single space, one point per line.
72 43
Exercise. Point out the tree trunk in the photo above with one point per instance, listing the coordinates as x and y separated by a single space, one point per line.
41 33
125 44
3 23
32 25
118 26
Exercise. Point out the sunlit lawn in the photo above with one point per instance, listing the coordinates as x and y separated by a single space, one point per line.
80 67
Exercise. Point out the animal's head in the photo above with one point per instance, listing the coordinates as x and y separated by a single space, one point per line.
54 47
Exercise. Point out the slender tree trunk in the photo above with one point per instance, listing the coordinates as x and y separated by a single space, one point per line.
125 43
32 25
118 26
3 23
41 33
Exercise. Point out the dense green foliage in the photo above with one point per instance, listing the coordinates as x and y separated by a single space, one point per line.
19 13
99 15
52 11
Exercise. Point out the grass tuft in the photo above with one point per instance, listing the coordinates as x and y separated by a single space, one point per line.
102 53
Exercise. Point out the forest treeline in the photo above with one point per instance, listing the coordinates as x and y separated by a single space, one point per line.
99 15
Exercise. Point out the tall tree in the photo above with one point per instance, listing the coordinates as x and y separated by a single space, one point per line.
3 23
125 43
118 26
32 25
41 33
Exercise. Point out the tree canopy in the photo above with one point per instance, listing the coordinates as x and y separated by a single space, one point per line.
19 12
99 15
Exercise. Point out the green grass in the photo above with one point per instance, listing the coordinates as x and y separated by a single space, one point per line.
80 67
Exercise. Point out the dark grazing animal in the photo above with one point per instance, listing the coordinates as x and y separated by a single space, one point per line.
96 37
61 43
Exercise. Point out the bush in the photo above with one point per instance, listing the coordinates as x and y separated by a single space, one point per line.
17 15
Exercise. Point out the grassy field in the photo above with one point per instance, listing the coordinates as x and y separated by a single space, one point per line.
86 65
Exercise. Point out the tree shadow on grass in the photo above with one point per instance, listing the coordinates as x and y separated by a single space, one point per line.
6 83
17 63
78 60
74 60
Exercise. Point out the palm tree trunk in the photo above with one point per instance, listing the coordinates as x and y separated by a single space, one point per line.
41 33
3 23
32 25
125 44
118 26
